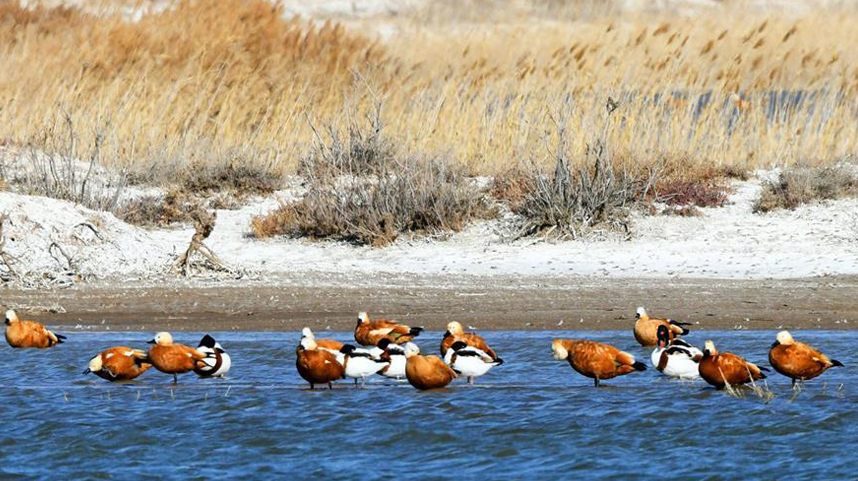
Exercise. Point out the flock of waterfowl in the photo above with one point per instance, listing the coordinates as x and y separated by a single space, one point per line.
389 351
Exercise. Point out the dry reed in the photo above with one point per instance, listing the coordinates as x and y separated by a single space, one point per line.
743 88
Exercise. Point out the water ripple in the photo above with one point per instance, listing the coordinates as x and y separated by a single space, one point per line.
532 417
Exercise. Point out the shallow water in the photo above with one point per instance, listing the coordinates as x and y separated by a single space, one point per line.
532 417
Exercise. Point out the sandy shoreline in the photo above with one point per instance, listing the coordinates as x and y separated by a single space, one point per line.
500 302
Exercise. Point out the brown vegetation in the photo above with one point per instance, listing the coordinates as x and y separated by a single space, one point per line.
698 192
801 185
365 193
217 77
157 211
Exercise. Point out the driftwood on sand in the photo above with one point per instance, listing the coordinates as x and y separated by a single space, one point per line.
204 224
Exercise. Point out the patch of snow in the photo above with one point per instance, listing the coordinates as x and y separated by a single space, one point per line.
49 237
727 242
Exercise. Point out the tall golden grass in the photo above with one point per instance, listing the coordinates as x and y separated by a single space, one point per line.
696 93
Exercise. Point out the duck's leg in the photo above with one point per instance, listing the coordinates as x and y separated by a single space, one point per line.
793 383
331 386
362 382
355 382
596 382
175 379
471 380
312 386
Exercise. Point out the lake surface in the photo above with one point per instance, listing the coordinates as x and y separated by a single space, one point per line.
532 417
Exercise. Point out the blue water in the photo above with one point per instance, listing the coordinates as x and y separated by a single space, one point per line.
531 418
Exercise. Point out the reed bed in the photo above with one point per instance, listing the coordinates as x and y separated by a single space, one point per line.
736 88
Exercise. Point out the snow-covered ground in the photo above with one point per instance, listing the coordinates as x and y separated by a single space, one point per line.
724 243
729 242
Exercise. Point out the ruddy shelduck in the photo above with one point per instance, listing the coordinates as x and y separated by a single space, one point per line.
455 333
217 361
797 360
317 366
426 372
29 333
595 360
675 358
359 364
174 359
368 332
119 363
720 369
469 361
329 345
646 328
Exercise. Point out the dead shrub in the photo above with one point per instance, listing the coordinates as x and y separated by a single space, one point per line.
65 169
236 175
413 195
699 193
512 186
732 172
158 211
573 202
799 185
361 151
361 191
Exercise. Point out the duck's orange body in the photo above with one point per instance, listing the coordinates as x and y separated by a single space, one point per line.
426 372
368 332
797 360
317 366
26 334
456 333
119 363
719 369
174 359
595 360
646 328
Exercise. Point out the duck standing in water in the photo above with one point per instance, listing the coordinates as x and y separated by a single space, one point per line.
455 333
119 363
797 360
676 358
368 332
595 360
646 328
426 372
720 369
174 359
359 364
23 334
395 355
317 366
469 361
217 361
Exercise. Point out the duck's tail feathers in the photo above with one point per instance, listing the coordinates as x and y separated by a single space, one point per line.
498 361
639 366
60 338
681 326
836 363
415 331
